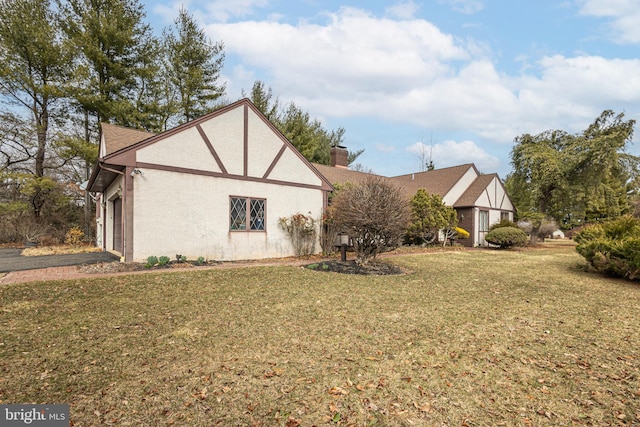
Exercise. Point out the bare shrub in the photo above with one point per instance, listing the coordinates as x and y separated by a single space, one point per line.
374 214
303 231
328 231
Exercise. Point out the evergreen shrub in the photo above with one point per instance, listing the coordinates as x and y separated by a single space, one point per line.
507 237
612 248
503 223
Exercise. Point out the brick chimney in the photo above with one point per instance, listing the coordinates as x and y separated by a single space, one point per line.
339 157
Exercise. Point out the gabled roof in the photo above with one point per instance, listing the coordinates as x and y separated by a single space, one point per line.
438 181
341 175
120 143
473 192
117 137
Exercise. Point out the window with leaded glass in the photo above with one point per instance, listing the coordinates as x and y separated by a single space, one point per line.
247 214
256 217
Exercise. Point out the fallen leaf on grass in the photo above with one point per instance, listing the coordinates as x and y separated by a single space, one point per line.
425 407
275 373
203 393
292 422
338 391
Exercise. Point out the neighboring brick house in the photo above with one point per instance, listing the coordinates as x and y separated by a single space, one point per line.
479 200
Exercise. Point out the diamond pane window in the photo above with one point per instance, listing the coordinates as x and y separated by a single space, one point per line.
240 221
238 213
257 214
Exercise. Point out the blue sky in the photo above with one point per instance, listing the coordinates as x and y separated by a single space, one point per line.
458 79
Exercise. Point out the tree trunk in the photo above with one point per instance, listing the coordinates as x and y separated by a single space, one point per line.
42 125
533 240
87 196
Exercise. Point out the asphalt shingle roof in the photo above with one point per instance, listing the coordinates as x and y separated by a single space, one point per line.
471 194
116 137
438 181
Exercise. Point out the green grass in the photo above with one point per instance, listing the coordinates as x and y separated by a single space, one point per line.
475 338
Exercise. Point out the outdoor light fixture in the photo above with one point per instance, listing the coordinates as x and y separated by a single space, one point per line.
136 171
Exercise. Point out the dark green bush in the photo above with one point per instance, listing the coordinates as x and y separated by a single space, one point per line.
503 223
163 260
612 248
507 237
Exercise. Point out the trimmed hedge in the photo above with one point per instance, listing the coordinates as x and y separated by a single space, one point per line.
612 248
502 224
507 237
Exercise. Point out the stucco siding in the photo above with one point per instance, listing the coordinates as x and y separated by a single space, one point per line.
290 165
460 187
185 150
264 146
226 134
187 214
494 217
484 200
503 200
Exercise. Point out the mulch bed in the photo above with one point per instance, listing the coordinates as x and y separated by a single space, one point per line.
351 267
122 267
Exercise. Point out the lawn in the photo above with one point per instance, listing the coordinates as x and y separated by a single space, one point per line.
471 338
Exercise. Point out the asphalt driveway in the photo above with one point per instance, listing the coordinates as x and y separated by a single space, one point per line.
11 260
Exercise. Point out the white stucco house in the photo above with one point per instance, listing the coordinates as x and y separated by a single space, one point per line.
214 187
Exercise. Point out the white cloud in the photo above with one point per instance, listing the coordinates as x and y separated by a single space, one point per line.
404 10
223 10
354 57
217 10
359 65
468 7
624 16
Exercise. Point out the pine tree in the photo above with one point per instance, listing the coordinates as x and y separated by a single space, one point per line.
194 65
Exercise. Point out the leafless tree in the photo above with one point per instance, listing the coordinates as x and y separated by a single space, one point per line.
374 214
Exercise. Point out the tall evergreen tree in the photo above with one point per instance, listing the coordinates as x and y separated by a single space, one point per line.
114 47
33 68
194 65
115 58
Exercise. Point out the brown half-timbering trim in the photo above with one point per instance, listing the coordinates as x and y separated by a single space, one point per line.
275 161
205 138
504 196
128 215
229 176
246 140
486 190
126 156
103 208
